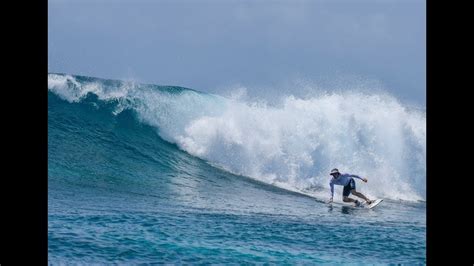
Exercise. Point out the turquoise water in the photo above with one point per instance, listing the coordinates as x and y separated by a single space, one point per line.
118 192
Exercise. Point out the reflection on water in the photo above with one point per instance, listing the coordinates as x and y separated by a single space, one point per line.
347 210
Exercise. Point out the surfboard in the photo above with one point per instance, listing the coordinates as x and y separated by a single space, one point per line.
374 203
348 205
362 205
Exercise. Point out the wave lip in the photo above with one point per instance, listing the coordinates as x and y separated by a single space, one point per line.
292 145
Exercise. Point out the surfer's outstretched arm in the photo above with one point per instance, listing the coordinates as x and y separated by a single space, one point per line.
361 178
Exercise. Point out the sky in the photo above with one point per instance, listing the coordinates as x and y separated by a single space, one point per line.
214 45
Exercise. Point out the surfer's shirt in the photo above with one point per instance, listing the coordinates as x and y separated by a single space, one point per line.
342 180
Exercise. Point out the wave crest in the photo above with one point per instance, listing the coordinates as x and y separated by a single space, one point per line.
292 145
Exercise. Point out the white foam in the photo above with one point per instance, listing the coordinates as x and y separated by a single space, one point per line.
68 88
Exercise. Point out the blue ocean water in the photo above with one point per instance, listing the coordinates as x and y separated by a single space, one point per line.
150 174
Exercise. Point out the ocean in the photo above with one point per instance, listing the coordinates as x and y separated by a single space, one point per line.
141 173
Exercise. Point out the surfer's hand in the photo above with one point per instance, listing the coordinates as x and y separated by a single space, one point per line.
364 179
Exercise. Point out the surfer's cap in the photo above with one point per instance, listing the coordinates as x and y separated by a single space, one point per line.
334 171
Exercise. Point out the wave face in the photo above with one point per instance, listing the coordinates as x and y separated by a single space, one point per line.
293 144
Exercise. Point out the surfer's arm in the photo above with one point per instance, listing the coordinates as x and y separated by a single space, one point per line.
361 178
331 184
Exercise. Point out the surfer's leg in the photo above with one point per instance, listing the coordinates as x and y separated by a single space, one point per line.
345 195
352 186
347 199
360 195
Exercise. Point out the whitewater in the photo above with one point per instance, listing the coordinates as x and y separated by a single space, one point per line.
176 175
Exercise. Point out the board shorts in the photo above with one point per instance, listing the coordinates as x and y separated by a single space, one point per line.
348 188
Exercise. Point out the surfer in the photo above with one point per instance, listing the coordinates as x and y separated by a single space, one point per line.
348 182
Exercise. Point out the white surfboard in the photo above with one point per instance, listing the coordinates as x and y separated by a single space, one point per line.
349 205
374 203
362 205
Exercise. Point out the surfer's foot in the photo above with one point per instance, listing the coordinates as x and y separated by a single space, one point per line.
357 203
369 202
